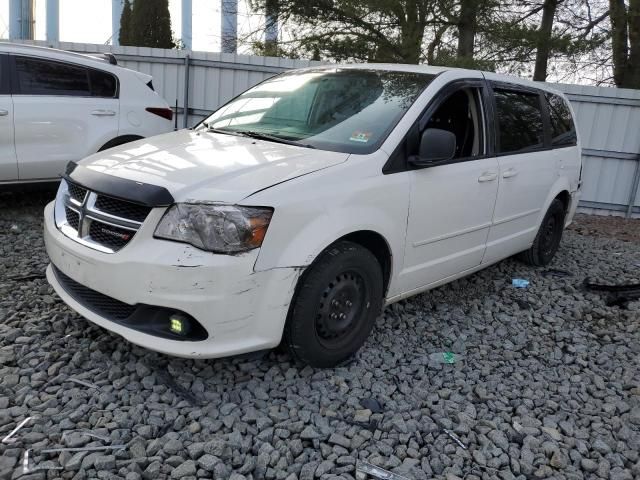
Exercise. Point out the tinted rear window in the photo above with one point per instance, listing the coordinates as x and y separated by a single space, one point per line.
43 77
519 117
103 84
563 130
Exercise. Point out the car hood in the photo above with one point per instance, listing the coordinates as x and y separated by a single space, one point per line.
210 166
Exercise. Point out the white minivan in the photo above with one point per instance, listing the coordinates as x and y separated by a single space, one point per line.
57 107
296 211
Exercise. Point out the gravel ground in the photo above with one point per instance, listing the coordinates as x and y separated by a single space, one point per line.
547 384
611 227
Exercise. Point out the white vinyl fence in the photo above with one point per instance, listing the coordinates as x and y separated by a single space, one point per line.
608 119
609 125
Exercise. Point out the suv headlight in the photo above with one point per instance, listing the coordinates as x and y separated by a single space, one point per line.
216 228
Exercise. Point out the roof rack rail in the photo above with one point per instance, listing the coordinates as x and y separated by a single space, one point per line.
110 58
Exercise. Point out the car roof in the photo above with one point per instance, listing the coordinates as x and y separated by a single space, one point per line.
435 70
53 53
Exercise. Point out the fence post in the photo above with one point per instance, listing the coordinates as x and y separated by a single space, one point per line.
185 102
634 188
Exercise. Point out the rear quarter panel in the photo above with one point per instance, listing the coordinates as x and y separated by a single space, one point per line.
135 97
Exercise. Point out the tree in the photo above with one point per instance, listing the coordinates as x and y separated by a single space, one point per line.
543 44
271 28
542 37
467 24
151 24
569 40
625 42
124 35
378 30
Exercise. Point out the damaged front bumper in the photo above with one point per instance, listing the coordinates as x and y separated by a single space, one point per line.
240 310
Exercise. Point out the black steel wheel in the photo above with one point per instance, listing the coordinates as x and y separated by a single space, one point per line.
549 235
341 306
335 305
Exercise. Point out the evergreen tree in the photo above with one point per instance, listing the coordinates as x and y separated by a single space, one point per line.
125 24
151 24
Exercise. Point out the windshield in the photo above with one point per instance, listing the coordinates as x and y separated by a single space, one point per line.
344 110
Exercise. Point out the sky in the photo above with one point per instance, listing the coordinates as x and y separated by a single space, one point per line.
89 21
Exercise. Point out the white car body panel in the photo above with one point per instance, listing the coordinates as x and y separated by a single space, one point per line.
439 223
52 130
340 200
8 163
182 277
195 165
444 241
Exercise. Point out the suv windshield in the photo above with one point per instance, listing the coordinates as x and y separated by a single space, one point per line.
344 110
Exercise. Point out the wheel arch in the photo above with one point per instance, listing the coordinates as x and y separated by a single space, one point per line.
565 197
371 240
120 140
378 246
560 190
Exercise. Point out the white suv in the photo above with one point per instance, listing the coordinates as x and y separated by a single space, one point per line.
57 107
297 210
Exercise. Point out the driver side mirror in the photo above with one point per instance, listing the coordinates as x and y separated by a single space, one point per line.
437 146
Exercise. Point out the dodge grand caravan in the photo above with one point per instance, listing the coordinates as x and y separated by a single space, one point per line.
296 211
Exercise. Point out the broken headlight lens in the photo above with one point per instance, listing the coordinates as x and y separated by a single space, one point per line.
216 228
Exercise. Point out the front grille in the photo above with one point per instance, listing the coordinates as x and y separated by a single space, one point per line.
73 218
77 192
109 235
96 220
103 305
122 208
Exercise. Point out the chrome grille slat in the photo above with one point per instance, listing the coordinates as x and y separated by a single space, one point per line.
79 217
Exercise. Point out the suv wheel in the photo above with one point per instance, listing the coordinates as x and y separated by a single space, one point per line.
547 240
335 306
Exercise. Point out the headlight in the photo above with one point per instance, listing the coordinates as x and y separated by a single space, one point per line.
216 228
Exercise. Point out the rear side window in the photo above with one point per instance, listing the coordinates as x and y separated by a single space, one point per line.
103 84
519 116
563 131
42 77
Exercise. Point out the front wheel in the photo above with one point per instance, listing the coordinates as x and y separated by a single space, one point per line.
547 240
335 306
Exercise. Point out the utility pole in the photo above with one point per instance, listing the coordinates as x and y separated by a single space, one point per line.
21 20
53 21
187 24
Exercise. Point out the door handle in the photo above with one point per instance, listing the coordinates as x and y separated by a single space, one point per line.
103 113
512 172
487 177
4 113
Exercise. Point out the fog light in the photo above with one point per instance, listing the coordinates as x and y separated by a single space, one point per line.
178 324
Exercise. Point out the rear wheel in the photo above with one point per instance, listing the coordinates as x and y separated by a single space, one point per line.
549 235
335 305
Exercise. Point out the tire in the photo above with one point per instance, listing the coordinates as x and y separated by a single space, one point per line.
335 306
548 239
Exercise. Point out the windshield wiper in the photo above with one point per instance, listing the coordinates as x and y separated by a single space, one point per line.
271 138
220 130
